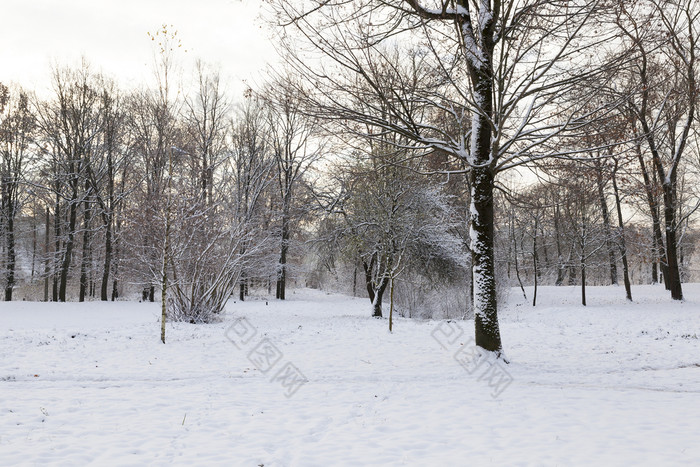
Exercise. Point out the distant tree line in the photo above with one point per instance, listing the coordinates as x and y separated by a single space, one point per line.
502 143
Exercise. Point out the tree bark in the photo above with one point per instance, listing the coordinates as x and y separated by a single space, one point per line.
487 331
377 301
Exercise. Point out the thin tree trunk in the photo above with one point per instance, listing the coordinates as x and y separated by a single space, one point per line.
515 264
582 257
391 306
86 249
34 240
282 274
606 221
57 246
68 251
534 263
368 278
622 242
560 257
107 219
377 301
11 254
115 262
46 257
583 282
649 188
354 281
108 261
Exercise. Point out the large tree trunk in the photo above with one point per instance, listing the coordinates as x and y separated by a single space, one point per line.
674 276
487 332
377 301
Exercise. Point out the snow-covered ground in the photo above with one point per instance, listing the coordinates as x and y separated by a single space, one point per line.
608 384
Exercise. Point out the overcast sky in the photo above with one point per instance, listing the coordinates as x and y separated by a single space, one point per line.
111 34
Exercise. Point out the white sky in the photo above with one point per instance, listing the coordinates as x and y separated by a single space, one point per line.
111 34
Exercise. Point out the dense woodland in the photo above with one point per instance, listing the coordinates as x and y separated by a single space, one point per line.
428 155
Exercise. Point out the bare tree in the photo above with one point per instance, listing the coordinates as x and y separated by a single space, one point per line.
154 125
205 119
248 171
664 37
70 124
296 146
16 127
492 70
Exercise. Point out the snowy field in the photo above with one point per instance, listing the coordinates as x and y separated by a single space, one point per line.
609 384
